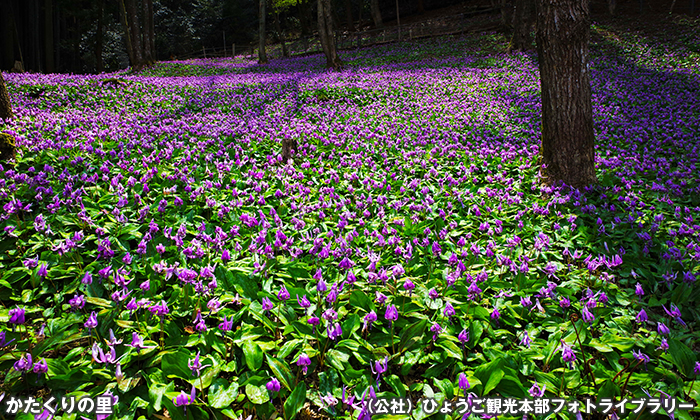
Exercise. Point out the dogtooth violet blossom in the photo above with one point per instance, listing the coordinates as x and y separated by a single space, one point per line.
274 385
304 362
537 392
196 366
378 368
567 354
369 320
183 400
463 383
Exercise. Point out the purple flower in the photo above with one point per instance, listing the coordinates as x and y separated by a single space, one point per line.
92 321
664 345
335 331
314 321
397 271
696 370
225 256
43 272
196 366
283 294
463 337
564 302
435 329
274 385
266 304
642 316
226 325
526 301
4 343
304 362
408 285
495 315
379 297
369 319
304 302
525 341
449 310
641 357
184 399
567 354
24 364
463 383
159 310
78 302
137 342
391 314
638 290
433 294
378 368
87 278
662 329
17 316
587 315
537 392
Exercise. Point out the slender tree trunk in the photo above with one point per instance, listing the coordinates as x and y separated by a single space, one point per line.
280 35
135 29
348 15
151 31
672 6
325 33
305 17
7 38
127 33
421 7
262 56
376 14
563 29
98 37
522 24
612 5
5 106
48 36
147 53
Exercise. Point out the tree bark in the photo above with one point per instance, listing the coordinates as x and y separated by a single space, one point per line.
348 16
98 37
135 29
305 17
288 145
563 30
421 7
5 106
522 24
127 32
280 35
147 42
376 14
48 36
325 33
612 5
262 56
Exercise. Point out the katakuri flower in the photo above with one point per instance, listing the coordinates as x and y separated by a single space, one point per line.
304 362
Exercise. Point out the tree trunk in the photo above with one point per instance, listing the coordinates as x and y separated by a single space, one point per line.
612 5
348 16
305 17
147 19
288 145
7 38
563 29
522 24
127 33
669 12
280 35
376 13
98 38
135 29
421 7
325 33
262 56
151 30
48 36
5 106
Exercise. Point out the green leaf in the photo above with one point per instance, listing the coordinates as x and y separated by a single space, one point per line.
253 355
493 381
257 394
413 334
359 299
295 401
451 349
683 358
281 371
156 391
175 365
221 393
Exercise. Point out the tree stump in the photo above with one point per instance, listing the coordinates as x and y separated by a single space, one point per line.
8 149
288 145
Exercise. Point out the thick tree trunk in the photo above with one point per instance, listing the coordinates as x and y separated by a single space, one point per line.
563 29
522 24
147 19
98 37
48 36
288 145
135 29
305 17
262 56
7 38
421 7
325 33
376 13
348 16
5 106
